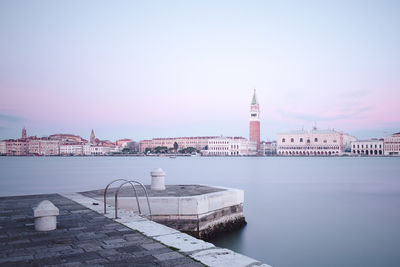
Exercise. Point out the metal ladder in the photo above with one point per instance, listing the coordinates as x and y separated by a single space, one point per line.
125 182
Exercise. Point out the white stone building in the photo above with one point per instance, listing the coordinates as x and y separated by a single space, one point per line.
268 148
367 147
86 150
99 150
71 149
392 145
96 150
230 146
315 142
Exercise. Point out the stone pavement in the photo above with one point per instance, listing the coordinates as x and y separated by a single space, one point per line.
83 238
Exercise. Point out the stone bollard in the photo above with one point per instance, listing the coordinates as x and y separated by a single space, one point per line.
157 179
45 216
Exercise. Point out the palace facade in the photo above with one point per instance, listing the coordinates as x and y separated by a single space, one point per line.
314 142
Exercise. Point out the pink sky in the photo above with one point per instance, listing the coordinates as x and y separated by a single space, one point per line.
143 70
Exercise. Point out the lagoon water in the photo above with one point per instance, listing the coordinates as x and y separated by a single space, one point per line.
300 211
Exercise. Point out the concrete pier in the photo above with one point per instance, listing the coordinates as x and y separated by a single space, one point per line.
86 237
200 210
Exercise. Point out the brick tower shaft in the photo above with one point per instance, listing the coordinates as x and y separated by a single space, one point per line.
254 135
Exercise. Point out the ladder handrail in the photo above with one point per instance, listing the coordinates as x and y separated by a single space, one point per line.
132 183
147 197
116 197
105 192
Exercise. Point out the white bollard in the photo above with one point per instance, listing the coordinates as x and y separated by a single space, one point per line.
157 179
45 216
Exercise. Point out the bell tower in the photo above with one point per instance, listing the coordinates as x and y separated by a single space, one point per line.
255 121
23 136
92 138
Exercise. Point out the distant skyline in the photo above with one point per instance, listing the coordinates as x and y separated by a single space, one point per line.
144 69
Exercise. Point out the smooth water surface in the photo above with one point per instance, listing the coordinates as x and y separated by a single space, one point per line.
300 211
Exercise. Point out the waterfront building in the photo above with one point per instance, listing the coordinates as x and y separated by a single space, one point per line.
19 147
367 147
230 146
254 133
44 146
315 142
198 143
392 144
49 147
71 149
86 149
252 148
3 150
34 147
100 150
268 148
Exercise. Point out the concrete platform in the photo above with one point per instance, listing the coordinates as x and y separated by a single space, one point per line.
200 210
83 238
86 237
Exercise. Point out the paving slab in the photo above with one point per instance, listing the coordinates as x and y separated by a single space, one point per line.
150 228
184 242
83 238
203 252
225 257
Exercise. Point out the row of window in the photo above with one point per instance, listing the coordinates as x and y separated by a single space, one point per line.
219 142
366 146
218 153
233 153
308 153
218 148
310 147
308 140
368 152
